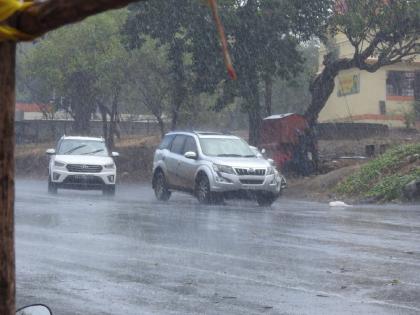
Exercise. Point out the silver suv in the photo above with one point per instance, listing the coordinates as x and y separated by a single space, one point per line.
213 166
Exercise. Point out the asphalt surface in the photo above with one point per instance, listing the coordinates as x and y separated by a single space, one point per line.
82 253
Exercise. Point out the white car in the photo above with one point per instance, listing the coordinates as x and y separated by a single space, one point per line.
82 163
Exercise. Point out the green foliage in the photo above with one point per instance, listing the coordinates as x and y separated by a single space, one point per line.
77 67
362 21
382 177
390 187
264 39
293 95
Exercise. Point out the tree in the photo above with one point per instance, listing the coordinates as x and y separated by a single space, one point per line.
160 21
264 39
293 96
150 83
38 19
84 65
381 32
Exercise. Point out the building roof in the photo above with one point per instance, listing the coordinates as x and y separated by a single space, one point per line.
33 107
279 116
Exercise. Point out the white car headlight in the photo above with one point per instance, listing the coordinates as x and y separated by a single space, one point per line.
109 166
59 164
223 169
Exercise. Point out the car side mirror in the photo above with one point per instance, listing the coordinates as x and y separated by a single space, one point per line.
115 154
50 151
190 155
34 310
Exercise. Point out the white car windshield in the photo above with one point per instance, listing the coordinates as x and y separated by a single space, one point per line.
82 147
225 147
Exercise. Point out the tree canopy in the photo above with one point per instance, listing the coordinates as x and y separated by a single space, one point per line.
381 33
264 39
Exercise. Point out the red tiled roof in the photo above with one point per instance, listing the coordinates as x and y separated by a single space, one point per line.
33 107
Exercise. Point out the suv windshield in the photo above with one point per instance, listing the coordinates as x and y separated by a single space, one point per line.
82 147
228 147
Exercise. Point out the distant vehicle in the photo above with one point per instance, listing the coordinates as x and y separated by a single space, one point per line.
82 163
212 166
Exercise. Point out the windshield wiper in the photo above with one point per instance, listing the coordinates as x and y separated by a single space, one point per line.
229 155
93 152
74 149
249 156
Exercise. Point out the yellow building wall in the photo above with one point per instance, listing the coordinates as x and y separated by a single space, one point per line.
364 105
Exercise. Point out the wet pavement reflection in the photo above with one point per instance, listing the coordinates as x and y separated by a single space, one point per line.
83 253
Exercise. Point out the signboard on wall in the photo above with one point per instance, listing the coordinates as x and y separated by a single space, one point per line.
348 84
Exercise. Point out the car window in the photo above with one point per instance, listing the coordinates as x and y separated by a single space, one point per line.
166 142
190 145
82 147
178 144
227 147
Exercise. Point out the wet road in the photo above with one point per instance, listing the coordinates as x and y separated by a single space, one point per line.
82 253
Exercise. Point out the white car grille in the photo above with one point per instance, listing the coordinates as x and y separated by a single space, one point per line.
84 168
250 171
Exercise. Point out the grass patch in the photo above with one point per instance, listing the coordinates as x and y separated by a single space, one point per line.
383 178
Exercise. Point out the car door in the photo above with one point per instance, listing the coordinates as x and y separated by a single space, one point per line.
172 160
187 167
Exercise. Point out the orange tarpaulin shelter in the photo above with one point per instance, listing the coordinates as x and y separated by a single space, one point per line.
281 134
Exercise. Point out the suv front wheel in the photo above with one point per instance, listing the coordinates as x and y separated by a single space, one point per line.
162 192
204 194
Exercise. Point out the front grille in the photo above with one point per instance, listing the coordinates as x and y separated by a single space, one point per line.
84 168
250 171
83 179
252 181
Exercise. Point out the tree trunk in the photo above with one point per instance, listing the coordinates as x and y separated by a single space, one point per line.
323 85
321 89
161 125
268 95
81 122
7 169
104 116
254 117
113 120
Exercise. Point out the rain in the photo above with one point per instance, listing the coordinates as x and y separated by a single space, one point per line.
209 157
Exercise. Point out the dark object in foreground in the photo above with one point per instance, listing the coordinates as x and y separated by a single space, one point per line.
36 309
289 141
411 191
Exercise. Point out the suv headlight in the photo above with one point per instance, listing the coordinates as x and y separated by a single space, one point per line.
270 170
109 166
59 164
223 169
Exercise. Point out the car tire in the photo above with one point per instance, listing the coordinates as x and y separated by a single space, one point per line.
265 199
203 192
161 188
109 190
52 187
